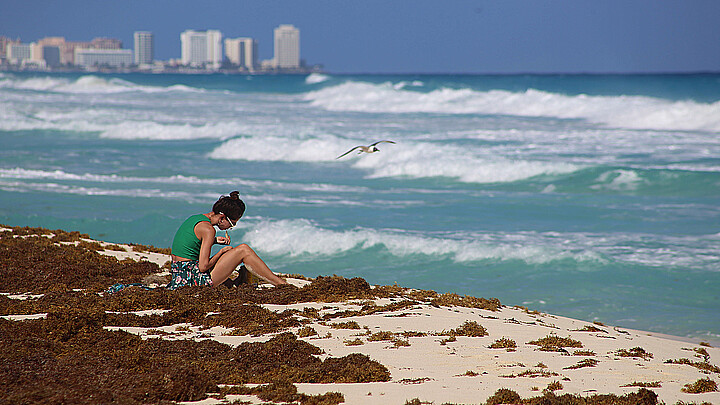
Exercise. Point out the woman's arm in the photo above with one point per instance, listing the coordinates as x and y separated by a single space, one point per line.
206 233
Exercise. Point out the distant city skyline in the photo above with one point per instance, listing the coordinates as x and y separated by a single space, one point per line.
200 51
419 36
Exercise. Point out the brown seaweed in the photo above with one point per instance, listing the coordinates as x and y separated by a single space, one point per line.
701 386
700 365
507 396
553 343
70 356
504 343
638 352
468 328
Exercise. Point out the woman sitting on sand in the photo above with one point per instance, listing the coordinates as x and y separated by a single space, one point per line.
191 260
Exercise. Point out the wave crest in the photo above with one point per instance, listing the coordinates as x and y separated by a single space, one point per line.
301 237
315 78
633 112
408 159
85 84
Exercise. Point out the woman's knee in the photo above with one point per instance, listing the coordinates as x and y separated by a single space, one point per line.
243 249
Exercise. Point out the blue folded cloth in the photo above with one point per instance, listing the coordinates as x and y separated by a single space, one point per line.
119 286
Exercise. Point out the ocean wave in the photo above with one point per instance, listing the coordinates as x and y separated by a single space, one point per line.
300 237
315 78
303 239
408 159
404 84
24 187
116 124
86 84
633 112
418 160
60 175
638 180
31 174
619 180
160 131
63 183
276 149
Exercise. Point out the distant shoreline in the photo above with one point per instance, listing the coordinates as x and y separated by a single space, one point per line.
190 71
310 70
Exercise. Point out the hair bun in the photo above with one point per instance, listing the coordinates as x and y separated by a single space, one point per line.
235 195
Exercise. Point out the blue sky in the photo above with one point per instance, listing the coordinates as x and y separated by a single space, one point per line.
411 36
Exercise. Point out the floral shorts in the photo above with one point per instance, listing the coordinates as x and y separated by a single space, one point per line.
187 273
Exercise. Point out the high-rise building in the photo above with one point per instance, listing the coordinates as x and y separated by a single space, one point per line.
242 52
144 47
17 53
5 42
103 57
51 55
45 55
67 51
287 47
201 48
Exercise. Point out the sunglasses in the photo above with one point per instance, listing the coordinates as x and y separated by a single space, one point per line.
230 222
231 226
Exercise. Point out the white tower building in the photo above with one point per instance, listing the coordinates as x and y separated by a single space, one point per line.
287 47
201 48
242 52
144 48
17 53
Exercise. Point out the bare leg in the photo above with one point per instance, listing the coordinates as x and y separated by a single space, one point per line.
242 254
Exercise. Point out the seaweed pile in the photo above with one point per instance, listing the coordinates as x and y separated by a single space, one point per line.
39 261
506 396
76 354
71 356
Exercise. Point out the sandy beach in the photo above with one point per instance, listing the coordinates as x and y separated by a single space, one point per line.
437 348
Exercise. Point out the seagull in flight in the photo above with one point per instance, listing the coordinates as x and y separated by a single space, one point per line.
367 149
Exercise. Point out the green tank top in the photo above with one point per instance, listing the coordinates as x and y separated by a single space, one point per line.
186 244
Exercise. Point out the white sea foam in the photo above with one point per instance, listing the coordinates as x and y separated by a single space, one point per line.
275 149
60 175
405 159
63 183
314 78
418 160
635 112
403 84
158 131
86 84
30 174
698 252
618 180
23 187
301 237
117 124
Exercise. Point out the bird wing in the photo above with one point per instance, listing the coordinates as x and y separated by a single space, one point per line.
348 152
381 142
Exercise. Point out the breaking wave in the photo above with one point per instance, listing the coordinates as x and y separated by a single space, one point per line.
315 78
179 180
86 84
411 159
634 112
300 237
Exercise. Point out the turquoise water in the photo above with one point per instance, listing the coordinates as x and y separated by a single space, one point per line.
595 197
